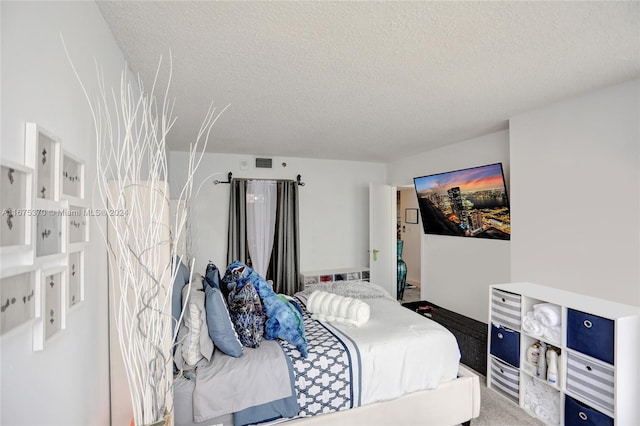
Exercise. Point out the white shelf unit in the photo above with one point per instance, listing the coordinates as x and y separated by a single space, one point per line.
338 274
598 368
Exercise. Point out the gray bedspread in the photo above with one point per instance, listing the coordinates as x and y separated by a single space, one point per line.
230 384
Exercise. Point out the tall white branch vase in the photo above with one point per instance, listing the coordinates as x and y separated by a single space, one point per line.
140 278
131 128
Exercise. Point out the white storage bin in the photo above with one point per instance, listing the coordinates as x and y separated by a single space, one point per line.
505 378
505 309
592 380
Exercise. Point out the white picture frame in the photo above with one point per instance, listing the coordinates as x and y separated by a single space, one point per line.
50 236
42 154
18 298
51 285
75 278
72 177
16 202
77 218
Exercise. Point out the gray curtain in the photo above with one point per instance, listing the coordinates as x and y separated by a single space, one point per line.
237 241
284 267
285 260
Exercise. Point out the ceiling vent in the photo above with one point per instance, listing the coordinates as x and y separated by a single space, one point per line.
264 163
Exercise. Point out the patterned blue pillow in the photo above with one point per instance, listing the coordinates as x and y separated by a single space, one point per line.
283 320
221 328
246 313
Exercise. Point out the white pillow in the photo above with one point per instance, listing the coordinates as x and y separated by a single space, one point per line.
194 342
191 344
335 308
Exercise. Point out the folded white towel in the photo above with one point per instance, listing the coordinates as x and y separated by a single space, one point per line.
547 314
552 334
546 415
531 399
542 401
543 322
331 307
532 326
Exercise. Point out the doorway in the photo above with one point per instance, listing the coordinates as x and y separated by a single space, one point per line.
409 230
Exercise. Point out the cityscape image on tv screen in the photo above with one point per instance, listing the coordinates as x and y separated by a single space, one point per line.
466 203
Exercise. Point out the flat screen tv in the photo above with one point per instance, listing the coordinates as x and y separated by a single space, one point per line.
465 203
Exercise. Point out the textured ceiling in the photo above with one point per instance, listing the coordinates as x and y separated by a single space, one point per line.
370 81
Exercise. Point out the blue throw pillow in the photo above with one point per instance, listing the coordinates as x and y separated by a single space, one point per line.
220 326
212 276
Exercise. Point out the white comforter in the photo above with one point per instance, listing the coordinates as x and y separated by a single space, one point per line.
400 350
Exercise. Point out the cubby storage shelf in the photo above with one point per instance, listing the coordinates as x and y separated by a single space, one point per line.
598 341
338 274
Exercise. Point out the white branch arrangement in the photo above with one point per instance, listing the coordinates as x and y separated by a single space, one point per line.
131 128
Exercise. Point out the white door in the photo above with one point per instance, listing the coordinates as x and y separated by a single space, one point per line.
382 237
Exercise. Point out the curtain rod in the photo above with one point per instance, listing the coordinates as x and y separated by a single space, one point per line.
230 175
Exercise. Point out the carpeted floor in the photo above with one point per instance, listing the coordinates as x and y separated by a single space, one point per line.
496 410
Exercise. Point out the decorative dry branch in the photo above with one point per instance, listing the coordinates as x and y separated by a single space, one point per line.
131 128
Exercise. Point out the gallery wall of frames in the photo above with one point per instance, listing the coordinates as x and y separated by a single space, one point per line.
44 231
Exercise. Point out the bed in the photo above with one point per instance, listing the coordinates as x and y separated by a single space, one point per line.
397 367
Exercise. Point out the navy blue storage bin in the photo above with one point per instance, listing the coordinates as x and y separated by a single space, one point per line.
576 413
590 334
505 344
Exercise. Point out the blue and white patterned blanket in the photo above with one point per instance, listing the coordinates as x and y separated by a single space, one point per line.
329 378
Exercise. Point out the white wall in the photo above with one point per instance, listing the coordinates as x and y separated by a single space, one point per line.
456 271
67 383
575 174
334 206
